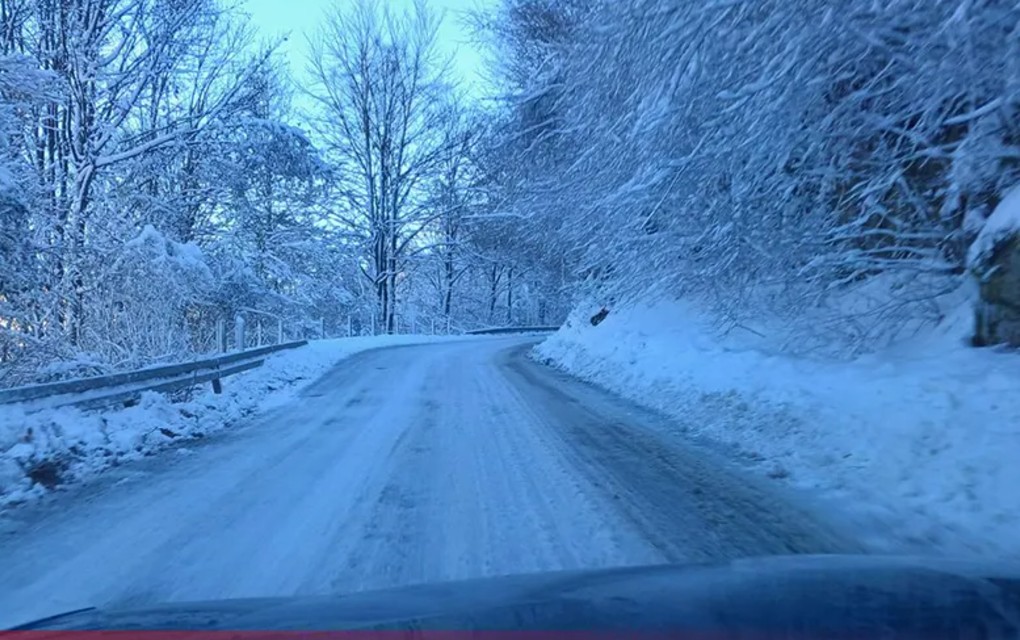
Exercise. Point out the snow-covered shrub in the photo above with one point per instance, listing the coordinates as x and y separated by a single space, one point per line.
768 156
143 299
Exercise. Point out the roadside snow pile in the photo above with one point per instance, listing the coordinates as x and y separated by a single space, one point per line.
917 446
41 450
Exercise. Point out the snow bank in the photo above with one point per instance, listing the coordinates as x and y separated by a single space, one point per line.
42 449
918 445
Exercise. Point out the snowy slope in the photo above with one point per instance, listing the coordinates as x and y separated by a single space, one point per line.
74 445
919 443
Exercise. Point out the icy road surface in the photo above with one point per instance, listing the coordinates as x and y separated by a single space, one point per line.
402 465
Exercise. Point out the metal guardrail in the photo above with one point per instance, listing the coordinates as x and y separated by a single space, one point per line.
494 331
117 388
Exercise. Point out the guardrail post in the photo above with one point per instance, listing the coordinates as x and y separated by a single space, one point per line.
239 333
279 331
221 346
221 335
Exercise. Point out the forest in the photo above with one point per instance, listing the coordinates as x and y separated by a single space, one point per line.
815 168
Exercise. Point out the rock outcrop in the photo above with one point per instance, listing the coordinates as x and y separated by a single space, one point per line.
994 261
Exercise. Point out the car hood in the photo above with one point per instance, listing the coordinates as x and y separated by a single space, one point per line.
798 596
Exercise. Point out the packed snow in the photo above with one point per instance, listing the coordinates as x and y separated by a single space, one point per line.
404 466
916 444
57 446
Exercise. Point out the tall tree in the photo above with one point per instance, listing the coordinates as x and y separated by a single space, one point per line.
149 185
378 86
763 156
120 66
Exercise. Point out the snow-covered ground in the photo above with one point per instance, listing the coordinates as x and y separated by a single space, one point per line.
403 466
918 444
73 444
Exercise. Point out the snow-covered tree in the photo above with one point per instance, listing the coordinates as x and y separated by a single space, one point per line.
786 157
381 111
150 185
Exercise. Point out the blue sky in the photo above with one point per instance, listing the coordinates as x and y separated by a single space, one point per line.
301 17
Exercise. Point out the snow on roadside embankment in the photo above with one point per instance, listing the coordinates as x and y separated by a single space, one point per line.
919 445
41 449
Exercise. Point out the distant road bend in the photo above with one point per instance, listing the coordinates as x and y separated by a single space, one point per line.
402 465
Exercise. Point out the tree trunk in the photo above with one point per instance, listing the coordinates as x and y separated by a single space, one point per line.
510 297
448 302
495 275
448 274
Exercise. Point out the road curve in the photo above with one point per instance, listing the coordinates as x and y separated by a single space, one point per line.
403 465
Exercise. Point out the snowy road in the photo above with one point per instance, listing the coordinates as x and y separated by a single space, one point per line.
402 465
